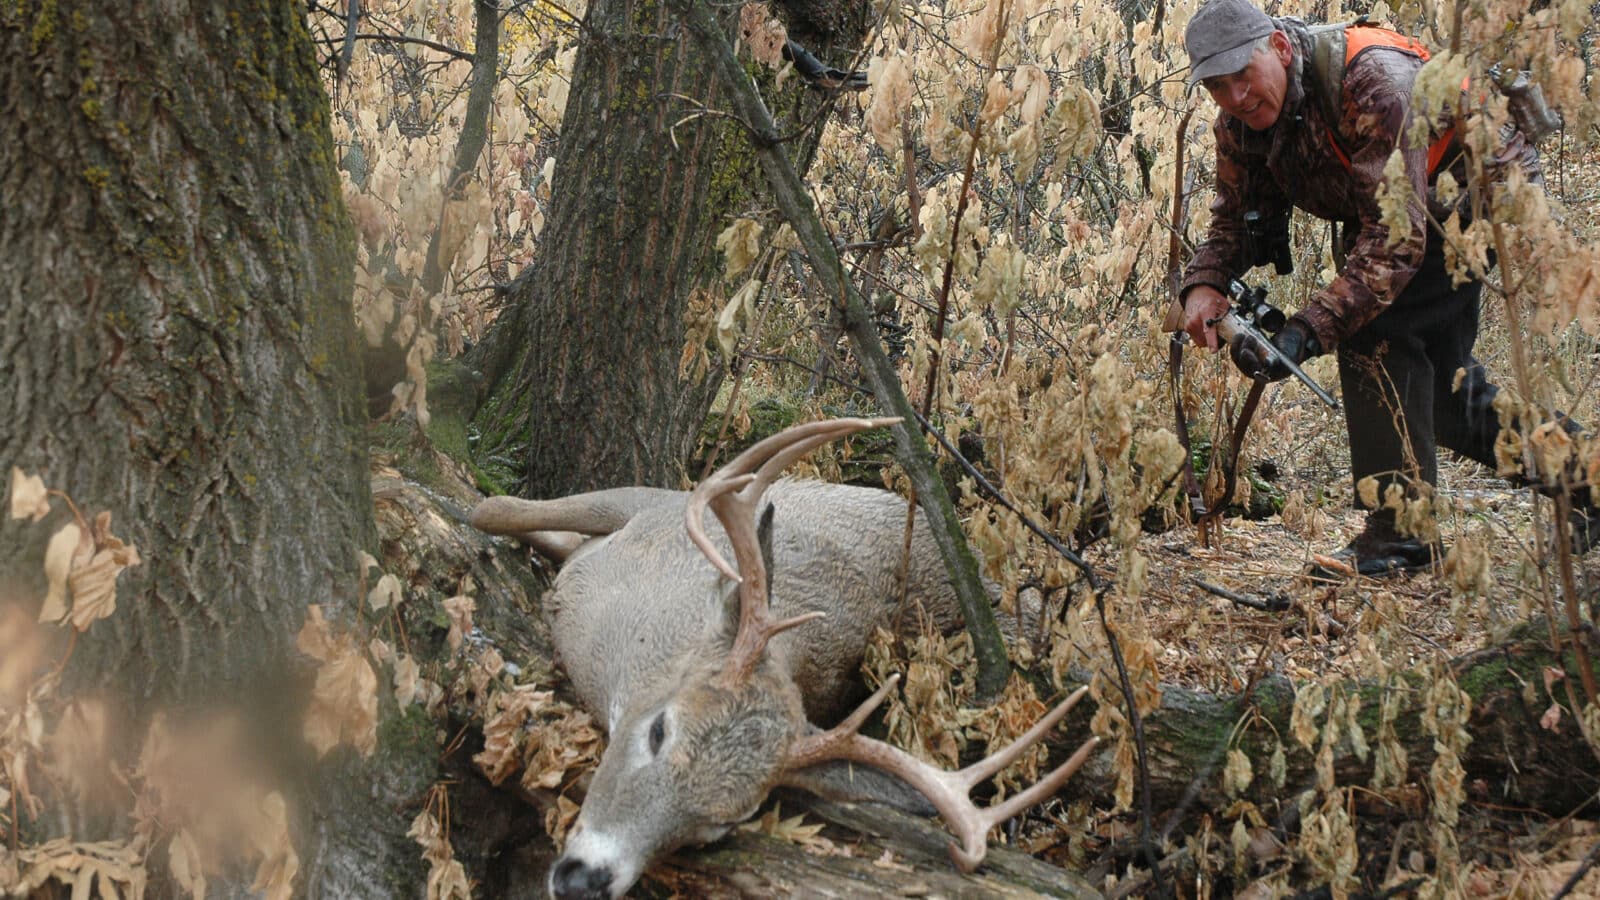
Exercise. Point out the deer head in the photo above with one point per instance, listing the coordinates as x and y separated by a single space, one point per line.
688 762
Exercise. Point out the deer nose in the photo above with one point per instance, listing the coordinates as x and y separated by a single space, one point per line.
573 879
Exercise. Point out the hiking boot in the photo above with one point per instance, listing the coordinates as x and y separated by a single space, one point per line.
1380 550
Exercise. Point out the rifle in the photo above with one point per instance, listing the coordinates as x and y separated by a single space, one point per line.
1256 318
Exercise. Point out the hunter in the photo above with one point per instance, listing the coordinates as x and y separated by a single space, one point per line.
1401 331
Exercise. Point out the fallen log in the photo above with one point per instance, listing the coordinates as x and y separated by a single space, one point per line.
1512 759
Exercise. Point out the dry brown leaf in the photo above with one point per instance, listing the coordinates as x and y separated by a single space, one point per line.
459 609
1551 720
316 635
29 497
57 566
344 702
279 865
407 680
385 593
503 731
183 861
560 818
344 705
762 33
1333 565
447 879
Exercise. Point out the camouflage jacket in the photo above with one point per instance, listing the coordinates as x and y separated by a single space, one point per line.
1294 163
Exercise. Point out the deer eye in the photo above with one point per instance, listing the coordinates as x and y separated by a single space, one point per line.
658 733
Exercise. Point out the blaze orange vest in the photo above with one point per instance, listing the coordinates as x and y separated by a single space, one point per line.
1334 47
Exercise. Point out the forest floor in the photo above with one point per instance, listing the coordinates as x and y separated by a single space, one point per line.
1212 643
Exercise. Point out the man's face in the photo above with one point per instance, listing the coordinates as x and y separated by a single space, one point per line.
1254 94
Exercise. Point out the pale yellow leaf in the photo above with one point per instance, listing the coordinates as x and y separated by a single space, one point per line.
459 610
316 637
385 593
406 679
344 706
29 499
183 860
57 566
280 863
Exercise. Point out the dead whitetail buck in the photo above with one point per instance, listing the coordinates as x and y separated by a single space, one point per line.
708 696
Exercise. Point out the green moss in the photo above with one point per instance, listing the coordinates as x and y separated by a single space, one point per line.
44 25
97 176
409 732
91 109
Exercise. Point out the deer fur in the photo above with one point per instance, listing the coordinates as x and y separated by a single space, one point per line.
706 694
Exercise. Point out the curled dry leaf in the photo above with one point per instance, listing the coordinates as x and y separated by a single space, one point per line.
1236 777
57 566
385 593
183 861
407 680
275 873
1551 720
560 818
561 741
740 244
762 33
459 609
118 866
85 567
447 879
344 702
29 498
891 97
94 575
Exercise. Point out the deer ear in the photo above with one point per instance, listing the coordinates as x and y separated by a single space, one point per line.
764 538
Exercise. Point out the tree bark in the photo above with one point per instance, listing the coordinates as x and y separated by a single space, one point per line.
584 364
177 347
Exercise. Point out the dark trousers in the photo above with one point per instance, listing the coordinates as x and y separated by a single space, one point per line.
1398 375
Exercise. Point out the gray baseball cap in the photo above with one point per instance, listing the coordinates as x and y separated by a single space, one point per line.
1221 37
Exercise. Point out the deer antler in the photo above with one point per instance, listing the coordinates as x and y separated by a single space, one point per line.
734 494
946 790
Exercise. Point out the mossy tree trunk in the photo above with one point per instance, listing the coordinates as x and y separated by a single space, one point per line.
177 347
584 368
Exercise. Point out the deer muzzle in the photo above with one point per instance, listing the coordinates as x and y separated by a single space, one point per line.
574 879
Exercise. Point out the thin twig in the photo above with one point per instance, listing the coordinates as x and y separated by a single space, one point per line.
1589 860
400 39
1275 603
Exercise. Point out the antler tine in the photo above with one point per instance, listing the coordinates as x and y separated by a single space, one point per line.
790 444
694 516
946 790
733 493
749 474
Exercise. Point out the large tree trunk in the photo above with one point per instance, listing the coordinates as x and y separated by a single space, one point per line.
584 366
177 348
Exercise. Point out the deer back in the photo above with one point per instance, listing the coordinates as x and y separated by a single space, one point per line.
627 606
